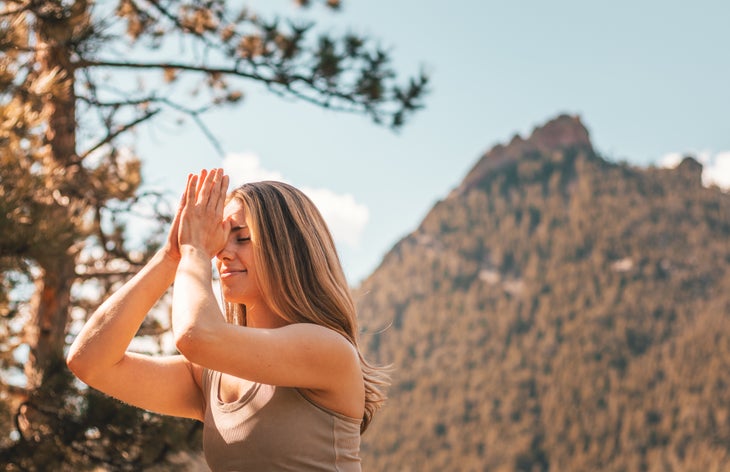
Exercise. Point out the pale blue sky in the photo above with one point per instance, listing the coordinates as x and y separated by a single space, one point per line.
648 78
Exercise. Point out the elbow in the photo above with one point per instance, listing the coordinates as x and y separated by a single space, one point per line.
86 364
78 365
189 341
184 341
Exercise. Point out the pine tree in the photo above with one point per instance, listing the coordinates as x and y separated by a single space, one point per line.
70 93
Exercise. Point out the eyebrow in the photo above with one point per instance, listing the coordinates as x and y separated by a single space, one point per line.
240 227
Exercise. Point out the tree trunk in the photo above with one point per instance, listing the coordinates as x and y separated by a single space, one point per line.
46 332
54 56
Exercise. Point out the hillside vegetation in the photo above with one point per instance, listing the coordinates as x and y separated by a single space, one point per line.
557 312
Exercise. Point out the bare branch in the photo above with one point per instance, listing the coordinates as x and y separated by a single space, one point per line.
228 71
211 137
113 134
169 65
195 115
104 241
118 104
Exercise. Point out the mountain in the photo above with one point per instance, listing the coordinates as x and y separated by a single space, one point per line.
556 312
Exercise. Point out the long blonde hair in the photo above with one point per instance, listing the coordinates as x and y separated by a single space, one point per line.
300 275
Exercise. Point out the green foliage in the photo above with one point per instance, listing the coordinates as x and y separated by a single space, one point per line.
63 429
559 313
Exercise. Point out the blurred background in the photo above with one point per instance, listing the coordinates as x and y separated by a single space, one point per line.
648 80
529 200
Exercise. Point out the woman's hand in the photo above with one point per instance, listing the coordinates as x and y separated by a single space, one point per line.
201 222
171 249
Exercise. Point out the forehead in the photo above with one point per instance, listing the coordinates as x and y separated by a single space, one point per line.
235 211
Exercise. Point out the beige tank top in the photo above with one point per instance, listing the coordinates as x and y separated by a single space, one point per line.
275 429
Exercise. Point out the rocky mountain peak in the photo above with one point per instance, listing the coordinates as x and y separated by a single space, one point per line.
561 287
691 169
560 133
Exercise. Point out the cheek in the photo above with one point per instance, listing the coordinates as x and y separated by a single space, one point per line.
245 251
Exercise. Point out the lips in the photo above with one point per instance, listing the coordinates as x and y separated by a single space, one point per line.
230 273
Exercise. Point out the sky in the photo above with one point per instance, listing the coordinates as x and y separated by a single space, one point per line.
650 80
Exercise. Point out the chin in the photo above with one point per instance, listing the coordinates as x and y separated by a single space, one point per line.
228 294
232 297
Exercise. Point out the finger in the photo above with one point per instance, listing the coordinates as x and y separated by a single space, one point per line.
218 193
223 191
207 187
181 205
199 189
191 190
215 188
183 198
225 180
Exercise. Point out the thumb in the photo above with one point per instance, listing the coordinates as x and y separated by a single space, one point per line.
180 207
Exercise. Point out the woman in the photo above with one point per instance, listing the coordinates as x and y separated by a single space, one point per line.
279 382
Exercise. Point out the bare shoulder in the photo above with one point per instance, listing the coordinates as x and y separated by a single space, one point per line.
324 348
321 337
341 387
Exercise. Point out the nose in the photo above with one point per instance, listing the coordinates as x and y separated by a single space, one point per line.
225 254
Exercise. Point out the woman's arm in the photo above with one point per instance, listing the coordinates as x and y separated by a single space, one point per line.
99 357
299 355
203 233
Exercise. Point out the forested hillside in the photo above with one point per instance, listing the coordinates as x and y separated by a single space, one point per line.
558 312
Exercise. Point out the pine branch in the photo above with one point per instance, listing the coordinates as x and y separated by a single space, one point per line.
176 21
270 82
368 95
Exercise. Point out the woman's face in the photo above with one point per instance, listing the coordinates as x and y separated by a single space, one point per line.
235 262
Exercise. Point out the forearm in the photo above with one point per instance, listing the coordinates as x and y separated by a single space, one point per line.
105 337
195 311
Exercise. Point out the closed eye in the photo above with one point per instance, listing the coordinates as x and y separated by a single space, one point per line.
241 240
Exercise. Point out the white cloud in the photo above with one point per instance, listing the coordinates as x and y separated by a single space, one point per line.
671 160
345 217
246 167
715 167
717 170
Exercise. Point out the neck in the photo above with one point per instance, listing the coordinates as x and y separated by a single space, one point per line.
261 316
